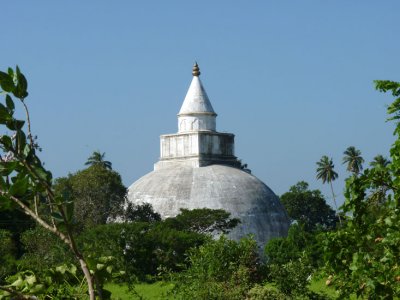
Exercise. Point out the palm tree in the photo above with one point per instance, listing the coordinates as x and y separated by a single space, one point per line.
353 159
326 172
378 196
379 161
97 158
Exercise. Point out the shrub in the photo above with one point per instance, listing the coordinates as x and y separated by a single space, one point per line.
265 292
219 269
141 249
292 277
7 257
43 250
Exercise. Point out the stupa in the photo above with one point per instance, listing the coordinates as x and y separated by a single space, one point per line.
197 169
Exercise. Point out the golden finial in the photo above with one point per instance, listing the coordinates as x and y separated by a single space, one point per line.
196 70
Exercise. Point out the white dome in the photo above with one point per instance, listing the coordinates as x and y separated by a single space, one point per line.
216 187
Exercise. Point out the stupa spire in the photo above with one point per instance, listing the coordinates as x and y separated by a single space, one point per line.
196 113
196 70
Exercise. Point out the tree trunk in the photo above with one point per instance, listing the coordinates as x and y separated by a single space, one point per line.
334 201
89 279
69 240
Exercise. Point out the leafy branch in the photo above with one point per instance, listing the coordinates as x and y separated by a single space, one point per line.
24 182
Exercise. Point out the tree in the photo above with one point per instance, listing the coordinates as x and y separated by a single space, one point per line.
219 269
203 220
379 161
142 249
24 182
308 207
97 193
7 254
281 250
140 213
42 251
326 172
97 158
364 255
353 159
16 222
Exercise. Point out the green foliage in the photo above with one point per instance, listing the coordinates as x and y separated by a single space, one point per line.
42 251
219 269
394 88
7 254
96 193
97 158
265 292
364 254
24 182
325 170
379 161
203 220
308 207
149 291
61 282
292 278
353 159
16 222
298 243
140 213
103 270
142 250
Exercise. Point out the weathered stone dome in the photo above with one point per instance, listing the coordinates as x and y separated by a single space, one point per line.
217 187
198 169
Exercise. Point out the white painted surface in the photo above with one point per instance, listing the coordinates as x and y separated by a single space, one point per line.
197 168
196 113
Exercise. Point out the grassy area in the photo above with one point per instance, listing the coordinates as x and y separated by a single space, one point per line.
319 286
143 291
159 290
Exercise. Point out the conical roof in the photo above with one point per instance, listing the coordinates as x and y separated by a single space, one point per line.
196 100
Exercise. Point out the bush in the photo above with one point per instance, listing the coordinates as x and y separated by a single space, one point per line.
298 243
141 249
43 250
291 278
219 269
7 256
62 282
265 292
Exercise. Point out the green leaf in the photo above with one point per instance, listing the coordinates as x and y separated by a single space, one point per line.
37 288
2 183
62 269
69 210
20 90
17 283
388 221
6 203
15 124
42 173
6 82
5 115
10 102
27 150
20 187
30 279
10 72
6 141
6 168
57 216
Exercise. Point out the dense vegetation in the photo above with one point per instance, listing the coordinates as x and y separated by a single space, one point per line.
60 239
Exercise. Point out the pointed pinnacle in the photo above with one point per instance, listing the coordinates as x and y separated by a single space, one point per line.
196 70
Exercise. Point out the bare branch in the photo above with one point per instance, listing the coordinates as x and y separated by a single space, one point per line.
29 123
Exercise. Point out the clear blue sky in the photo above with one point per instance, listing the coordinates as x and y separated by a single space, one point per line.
292 79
